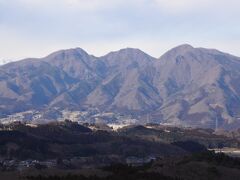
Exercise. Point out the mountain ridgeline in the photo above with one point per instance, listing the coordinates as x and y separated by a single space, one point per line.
186 86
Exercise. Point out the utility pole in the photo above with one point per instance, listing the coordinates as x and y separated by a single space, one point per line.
216 123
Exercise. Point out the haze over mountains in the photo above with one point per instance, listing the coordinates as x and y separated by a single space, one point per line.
186 86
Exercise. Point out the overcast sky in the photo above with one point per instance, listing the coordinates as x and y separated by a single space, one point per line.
35 28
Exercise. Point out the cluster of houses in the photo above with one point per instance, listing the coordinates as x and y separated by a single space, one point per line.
10 165
77 162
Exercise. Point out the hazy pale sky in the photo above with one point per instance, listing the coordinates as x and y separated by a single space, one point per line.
35 28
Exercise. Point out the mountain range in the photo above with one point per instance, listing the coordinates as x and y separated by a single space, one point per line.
186 86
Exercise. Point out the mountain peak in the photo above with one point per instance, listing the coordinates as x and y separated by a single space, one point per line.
179 50
68 53
127 51
127 56
184 46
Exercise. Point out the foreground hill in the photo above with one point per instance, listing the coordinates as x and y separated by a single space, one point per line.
69 140
67 150
186 86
